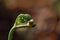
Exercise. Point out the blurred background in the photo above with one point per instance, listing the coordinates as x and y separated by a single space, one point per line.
9 9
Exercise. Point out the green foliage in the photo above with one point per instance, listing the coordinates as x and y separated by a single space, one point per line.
22 18
57 5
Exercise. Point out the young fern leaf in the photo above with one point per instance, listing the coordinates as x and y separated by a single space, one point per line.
23 20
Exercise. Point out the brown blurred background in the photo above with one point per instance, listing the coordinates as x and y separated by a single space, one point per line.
9 12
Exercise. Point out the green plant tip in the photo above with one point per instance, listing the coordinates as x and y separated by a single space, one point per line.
22 18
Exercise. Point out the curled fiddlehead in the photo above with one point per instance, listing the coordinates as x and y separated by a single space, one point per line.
23 20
